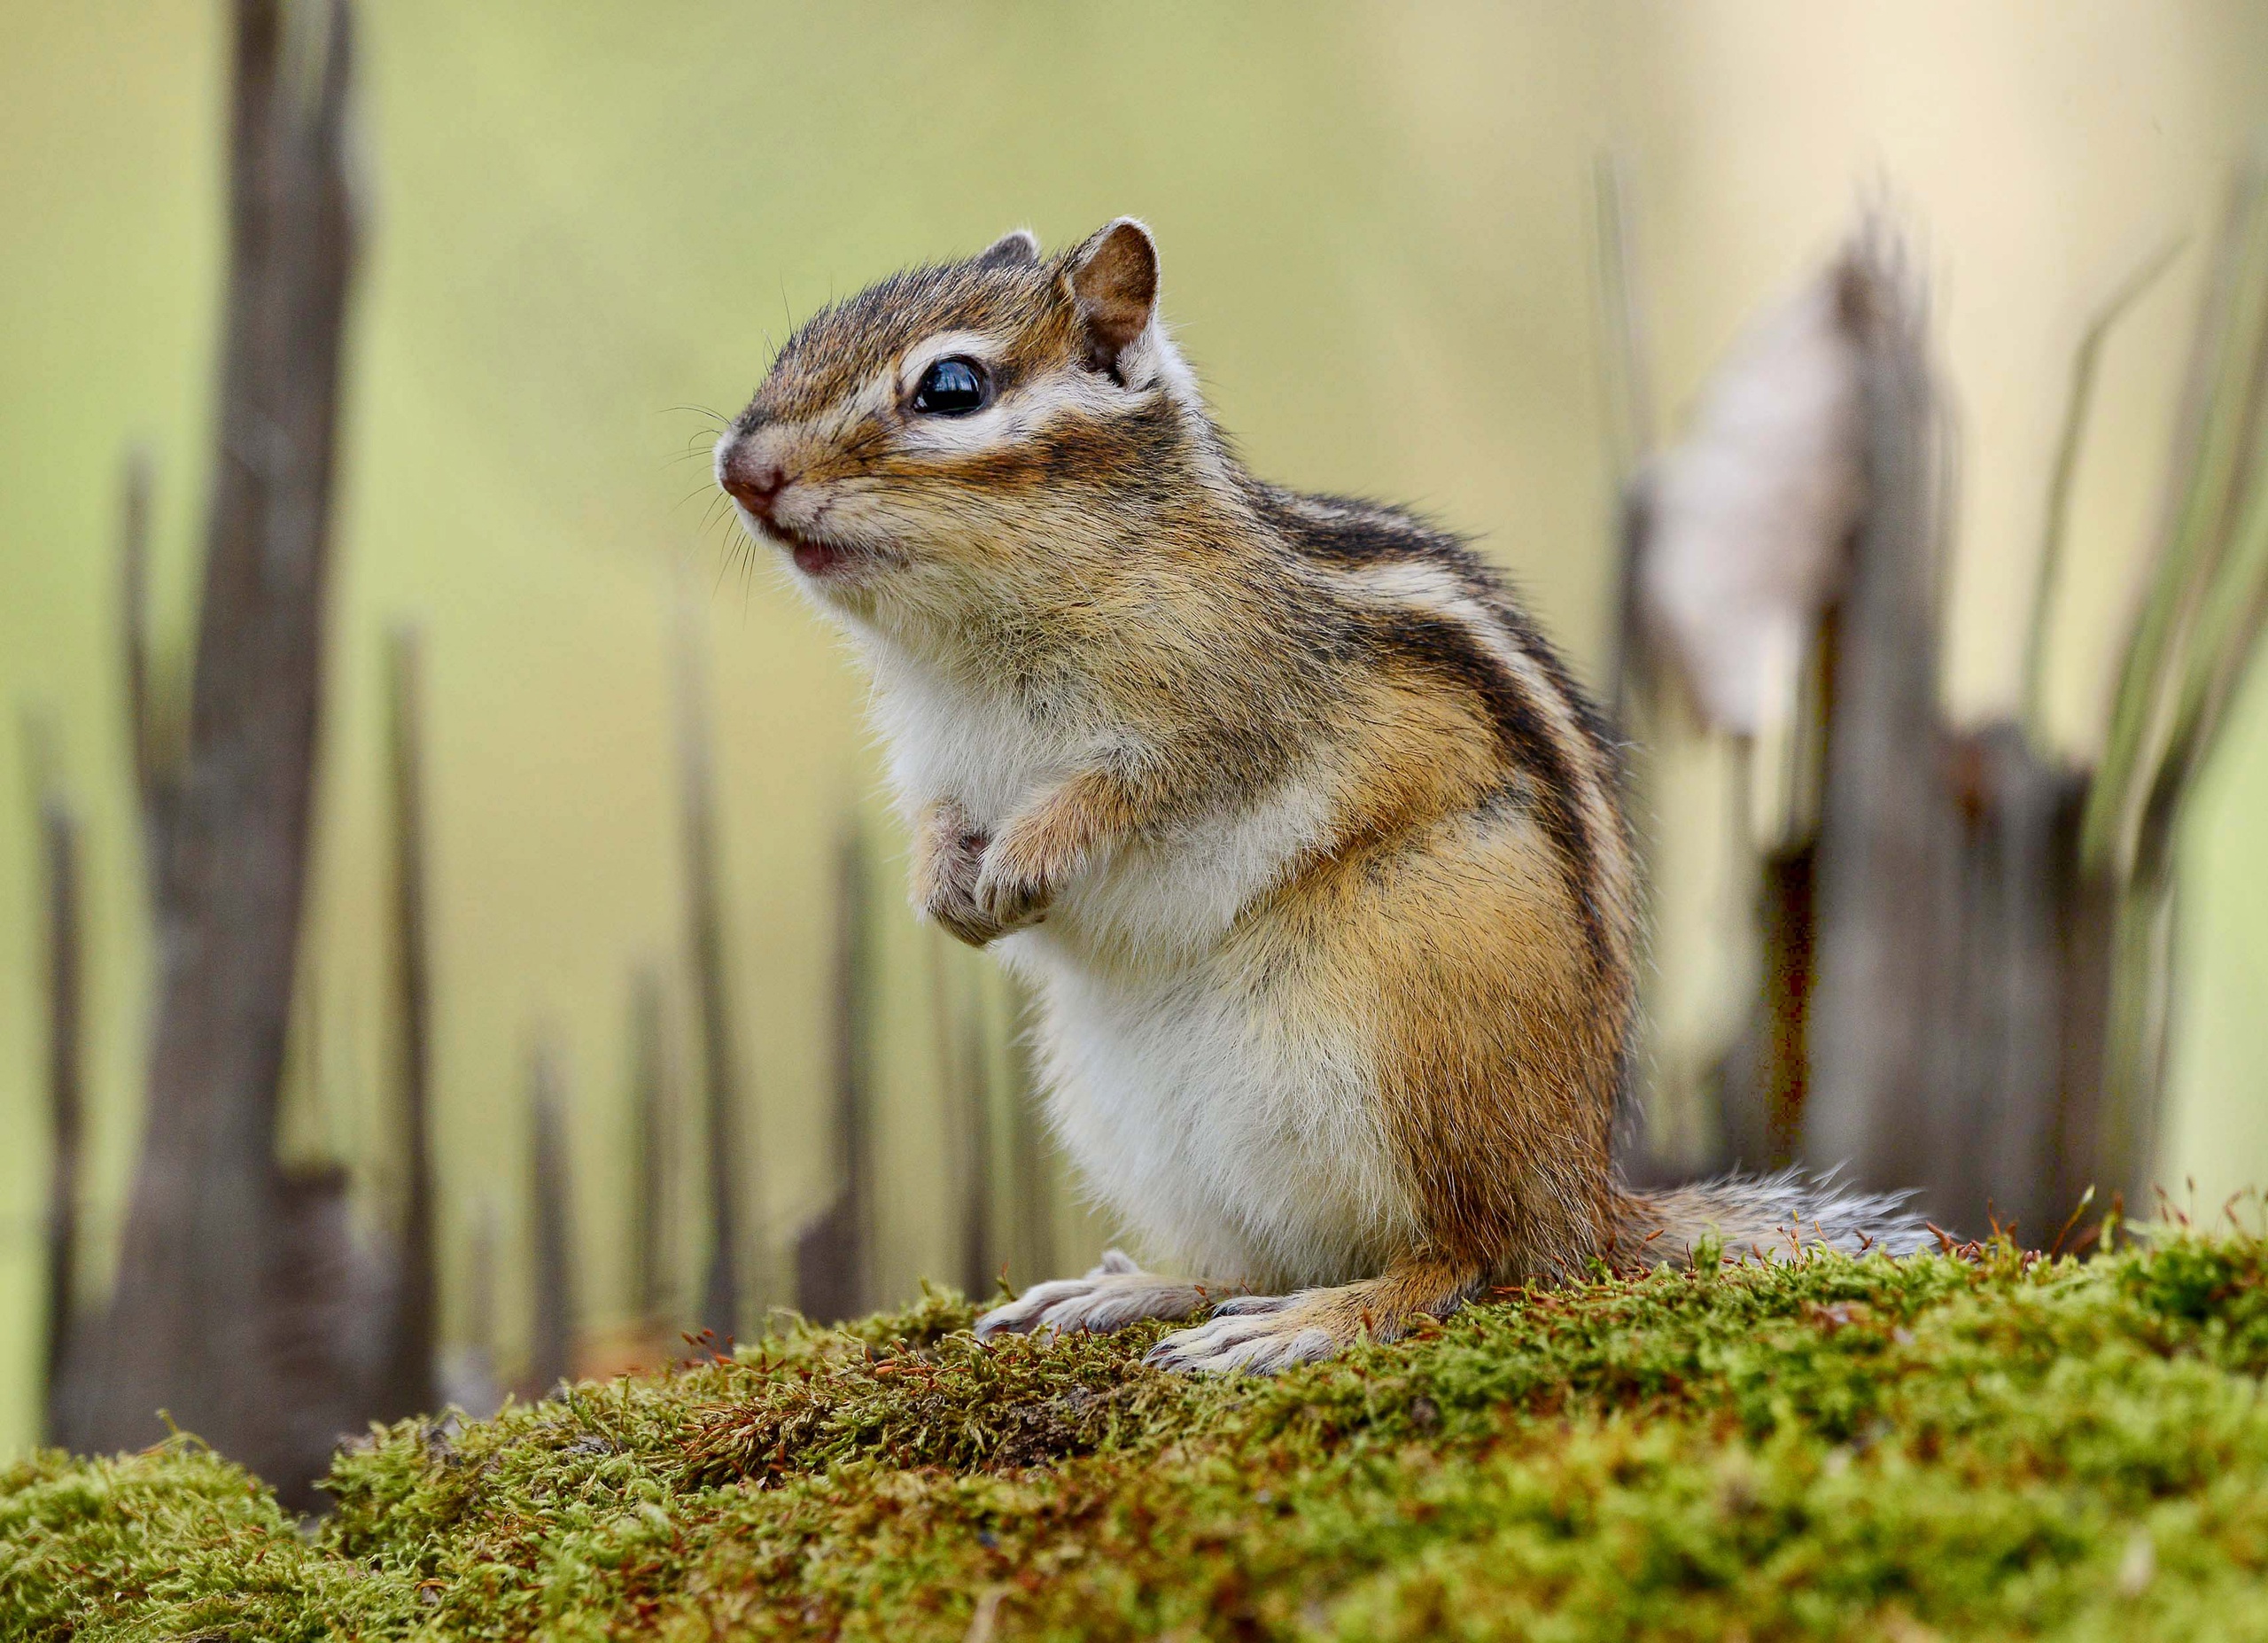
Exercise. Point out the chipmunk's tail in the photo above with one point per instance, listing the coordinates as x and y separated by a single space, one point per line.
1768 1216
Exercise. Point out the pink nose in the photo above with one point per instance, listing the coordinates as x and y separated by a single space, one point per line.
753 481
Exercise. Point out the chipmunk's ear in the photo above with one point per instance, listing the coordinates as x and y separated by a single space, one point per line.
1113 279
1014 248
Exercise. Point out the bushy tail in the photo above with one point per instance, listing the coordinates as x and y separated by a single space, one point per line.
1768 1216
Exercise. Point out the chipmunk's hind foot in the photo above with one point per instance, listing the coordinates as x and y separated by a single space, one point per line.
1261 1334
1116 1294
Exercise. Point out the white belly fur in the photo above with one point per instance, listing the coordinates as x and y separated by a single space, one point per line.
1235 1150
1233 1147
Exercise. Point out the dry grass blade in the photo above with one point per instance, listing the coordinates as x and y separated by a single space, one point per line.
2218 466
2063 476
1630 420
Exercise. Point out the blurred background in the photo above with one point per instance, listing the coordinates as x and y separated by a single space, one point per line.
1478 258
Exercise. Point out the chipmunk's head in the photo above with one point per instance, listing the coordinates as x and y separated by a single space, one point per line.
972 431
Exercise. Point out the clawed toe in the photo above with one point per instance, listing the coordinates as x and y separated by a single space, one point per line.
1114 1293
1040 1308
1099 1309
1194 1347
1246 1306
1023 1314
1252 1335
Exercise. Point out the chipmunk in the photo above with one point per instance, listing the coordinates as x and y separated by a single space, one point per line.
1305 840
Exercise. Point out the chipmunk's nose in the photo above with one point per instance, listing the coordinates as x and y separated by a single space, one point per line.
752 478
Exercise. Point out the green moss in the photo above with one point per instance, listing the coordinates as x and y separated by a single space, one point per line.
1835 1448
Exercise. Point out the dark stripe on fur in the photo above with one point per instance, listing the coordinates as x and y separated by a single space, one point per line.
1348 532
1345 533
1444 650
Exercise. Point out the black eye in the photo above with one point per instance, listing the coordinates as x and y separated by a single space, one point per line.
951 388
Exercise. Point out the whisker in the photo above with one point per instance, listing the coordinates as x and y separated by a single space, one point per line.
728 553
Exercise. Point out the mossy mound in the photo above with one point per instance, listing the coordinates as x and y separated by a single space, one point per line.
1841 1448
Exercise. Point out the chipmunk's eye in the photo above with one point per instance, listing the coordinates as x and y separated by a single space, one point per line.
951 388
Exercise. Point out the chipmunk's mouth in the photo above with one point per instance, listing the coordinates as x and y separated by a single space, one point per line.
814 559
814 556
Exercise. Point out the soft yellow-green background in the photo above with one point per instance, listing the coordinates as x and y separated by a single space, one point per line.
1377 226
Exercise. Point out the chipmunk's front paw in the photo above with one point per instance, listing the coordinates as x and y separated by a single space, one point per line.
1114 1295
951 851
1018 879
1254 1335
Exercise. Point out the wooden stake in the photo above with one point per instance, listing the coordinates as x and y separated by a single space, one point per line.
834 1260
155 775
729 1195
231 1294
552 1346
1032 1255
59 841
654 1116
405 1384
1887 853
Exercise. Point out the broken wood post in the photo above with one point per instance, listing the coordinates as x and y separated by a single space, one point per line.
1876 1101
1032 1255
551 1353
729 1196
653 1107
227 1309
62 943
149 724
406 1372
2018 994
979 1265
964 1102
834 1274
